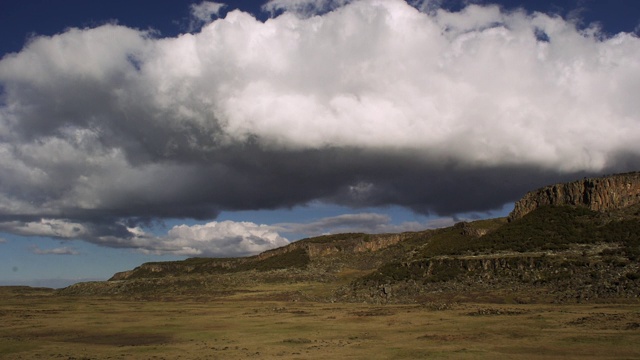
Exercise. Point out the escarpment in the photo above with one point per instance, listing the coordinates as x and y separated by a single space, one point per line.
529 277
599 194
570 242
297 254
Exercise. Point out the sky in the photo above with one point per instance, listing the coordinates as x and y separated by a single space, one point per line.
135 131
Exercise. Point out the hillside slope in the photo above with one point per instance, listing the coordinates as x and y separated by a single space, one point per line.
548 251
552 254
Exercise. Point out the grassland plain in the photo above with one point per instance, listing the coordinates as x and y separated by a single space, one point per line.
36 324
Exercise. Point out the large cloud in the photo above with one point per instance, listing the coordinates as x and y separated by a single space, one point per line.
373 103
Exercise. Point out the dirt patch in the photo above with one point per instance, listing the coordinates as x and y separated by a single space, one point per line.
443 338
497 312
122 339
603 321
297 341
374 312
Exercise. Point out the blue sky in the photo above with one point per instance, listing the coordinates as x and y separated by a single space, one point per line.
134 131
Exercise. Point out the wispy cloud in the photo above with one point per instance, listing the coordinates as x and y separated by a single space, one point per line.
203 13
303 7
371 223
55 251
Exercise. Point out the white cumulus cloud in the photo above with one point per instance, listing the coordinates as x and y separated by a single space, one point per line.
225 238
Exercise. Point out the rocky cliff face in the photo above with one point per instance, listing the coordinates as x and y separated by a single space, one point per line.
349 245
599 194
531 277
370 243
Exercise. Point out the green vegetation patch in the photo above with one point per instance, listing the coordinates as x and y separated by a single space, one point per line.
447 242
325 239
292 259
440 271
550 228
460 238
547 228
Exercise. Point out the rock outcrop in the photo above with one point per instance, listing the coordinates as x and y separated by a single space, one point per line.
599 194
530 277
315 248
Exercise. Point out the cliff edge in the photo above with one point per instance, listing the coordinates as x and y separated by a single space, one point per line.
599 194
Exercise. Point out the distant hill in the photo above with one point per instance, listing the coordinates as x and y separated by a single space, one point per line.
571 242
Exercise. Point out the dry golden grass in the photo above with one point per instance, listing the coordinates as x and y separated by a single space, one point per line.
38 325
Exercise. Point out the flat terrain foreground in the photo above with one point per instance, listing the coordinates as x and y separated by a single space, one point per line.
39 325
